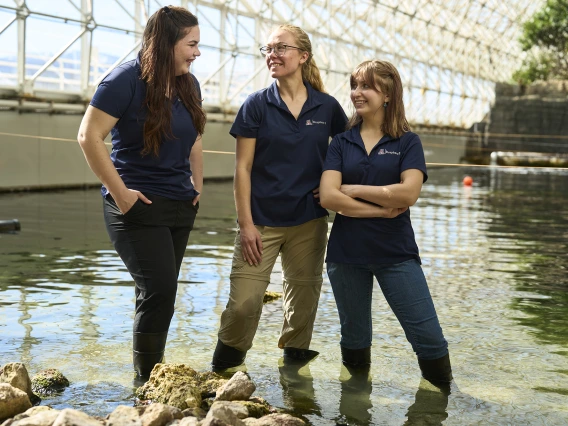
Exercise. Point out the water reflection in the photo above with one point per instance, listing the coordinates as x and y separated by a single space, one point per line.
494 254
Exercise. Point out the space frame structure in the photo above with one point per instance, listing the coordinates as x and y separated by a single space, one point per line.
450 53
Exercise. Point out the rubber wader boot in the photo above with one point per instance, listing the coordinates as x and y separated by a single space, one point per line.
226 357
436 371
359 359
148 350
298 356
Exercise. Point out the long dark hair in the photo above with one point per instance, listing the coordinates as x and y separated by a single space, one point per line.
383 76
164 29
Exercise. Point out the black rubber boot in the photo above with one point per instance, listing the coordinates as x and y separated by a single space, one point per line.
226 357
298 356
359 359
436 371
148 350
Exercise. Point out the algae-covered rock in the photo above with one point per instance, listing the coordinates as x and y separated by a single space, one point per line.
271 296
48 382
179 385
257 407
210 382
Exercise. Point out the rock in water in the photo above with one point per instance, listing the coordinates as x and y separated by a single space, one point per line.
16 374
239 388
48 382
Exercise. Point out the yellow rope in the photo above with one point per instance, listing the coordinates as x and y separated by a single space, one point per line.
233 153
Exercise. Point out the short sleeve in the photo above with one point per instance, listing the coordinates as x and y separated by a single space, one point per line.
413 156
248 119
198 89
334 157
338 119
116 91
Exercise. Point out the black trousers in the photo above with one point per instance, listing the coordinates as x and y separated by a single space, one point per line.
151 240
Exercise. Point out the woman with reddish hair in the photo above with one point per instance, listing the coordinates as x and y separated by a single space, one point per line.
153 178
373 173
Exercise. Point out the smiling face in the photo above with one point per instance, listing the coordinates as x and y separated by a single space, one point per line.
367 99
186 50
288 64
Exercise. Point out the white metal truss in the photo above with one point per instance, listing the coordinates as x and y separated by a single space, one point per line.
449 52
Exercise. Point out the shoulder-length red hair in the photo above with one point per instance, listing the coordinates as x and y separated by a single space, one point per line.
383 76
164 29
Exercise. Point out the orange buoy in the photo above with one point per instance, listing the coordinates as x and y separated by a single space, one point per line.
467 181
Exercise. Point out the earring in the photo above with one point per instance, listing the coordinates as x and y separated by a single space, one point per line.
385 104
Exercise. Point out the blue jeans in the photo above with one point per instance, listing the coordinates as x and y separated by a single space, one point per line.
406 291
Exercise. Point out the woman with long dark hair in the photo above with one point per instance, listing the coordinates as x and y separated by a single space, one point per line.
153 178
373 172
282 136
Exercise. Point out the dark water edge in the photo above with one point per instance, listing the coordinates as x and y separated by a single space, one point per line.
494 254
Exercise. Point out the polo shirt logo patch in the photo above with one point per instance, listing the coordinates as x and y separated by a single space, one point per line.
312 122
384 152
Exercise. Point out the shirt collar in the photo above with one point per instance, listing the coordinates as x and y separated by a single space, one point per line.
353 135
314 97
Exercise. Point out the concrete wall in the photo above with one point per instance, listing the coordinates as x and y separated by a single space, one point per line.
39 150
30 161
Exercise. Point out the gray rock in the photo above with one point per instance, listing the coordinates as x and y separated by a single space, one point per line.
176 412
70 417
239 388
157 415
229 412
194 412
124 416
48 382
35 410
41 418
16 374
275 420
189 421
12 401
213 421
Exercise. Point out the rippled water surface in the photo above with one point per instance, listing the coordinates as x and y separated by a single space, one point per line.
495 256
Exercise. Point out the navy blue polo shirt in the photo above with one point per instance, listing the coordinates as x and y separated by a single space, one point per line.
289 153
373 240
121 94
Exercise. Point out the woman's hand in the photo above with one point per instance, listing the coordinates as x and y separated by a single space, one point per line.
196 199
394 212
128 198
251 244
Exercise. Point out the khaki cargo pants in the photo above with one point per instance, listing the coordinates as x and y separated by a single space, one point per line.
302 248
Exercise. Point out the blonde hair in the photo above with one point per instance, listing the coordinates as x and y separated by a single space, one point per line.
384 77
310 71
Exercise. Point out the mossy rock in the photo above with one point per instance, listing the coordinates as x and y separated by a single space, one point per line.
271 296
48 382
179 385
257 407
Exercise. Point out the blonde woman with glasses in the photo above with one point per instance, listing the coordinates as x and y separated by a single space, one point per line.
282 135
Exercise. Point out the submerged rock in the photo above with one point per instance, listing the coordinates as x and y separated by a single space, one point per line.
48 382
275 420
16 375
271 296
239 388
12 401
256 407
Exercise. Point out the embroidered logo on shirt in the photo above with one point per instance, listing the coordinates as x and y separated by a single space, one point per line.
384 151
311 123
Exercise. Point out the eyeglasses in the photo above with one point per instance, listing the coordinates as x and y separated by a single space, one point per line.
279 49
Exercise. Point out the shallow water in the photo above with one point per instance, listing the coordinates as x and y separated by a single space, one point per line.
495 256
